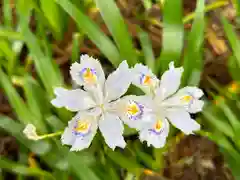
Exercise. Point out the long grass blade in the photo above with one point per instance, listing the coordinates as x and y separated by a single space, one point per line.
172 34
193 62
115 23
87 26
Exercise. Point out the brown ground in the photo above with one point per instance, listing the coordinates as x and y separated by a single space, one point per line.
194 158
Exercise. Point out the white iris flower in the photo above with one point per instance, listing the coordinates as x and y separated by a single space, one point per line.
95 104
165 103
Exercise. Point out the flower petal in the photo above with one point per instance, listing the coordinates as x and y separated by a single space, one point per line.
88 73
118 82
156 133
194 91
135 111
187 97
144 78
170 82
73 100
80 132
112 128
181 119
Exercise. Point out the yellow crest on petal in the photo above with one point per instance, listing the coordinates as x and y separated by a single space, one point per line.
157 128
81 127
158 125
186 98
134 110
148 80
89 75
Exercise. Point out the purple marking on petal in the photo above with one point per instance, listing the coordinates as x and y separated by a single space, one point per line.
81 129
88 75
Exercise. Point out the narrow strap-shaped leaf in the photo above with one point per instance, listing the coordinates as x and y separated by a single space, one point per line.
15 100
193 62
24 170
10 34
173 31
147 49
42 62
231 116
37 101
92 30
219 124
121 160
55 17
115 23
233 68
9 54
233 39
86 173
7 14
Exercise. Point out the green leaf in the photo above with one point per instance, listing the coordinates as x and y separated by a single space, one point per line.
53 14
42 62
147 49
10 35
233 119
233 39
129 131
87 26
9 55
15 100
37 101
77 39
193 63
128 163
146 158
55 123
115 23
233 163
22 169
219 124
86 173
173 33
7 14
233 68
16 129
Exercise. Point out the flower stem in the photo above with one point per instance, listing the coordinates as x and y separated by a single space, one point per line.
191 16
45 136
208 8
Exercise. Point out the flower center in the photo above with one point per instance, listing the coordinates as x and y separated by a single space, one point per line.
134 110
146 80
81 128
158 125
89 75
157 128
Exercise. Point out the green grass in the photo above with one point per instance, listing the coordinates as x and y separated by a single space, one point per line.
28 83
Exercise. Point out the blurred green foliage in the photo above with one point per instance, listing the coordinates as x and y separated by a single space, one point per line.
29 94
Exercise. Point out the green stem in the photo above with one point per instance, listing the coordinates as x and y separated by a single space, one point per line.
191 16
208 8
50 135
11 35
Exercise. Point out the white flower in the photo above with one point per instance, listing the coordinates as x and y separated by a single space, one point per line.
167 103
30 132
95 104
134 111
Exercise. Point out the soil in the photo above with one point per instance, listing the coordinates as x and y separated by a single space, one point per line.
194 157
